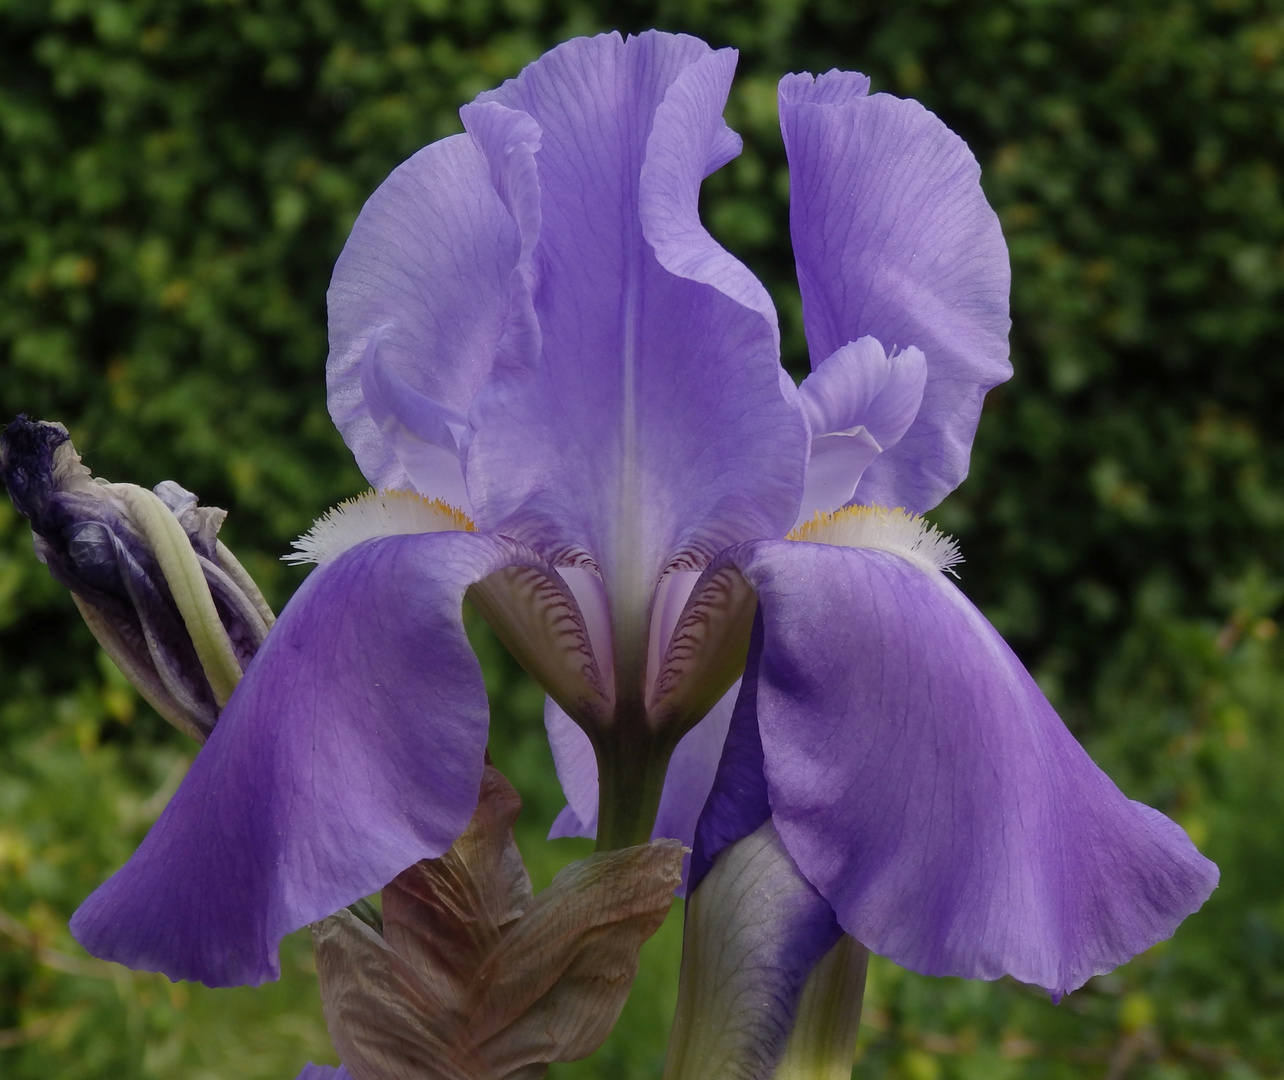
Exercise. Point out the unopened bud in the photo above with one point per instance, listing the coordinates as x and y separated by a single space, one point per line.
164 597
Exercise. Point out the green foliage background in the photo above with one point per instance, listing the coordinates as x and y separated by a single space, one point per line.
176 179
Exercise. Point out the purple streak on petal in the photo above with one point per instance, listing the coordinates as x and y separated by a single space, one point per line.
737 802
859 402
691 772
576 771
417 306
893 238
926 787
652 421
352 748
323 1072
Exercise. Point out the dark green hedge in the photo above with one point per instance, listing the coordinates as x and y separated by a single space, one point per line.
177 176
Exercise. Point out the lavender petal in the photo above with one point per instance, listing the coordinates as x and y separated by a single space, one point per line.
352 748
925 786
894 239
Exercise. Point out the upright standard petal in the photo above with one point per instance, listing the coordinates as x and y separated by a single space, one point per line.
417 306
352 748
923 784
645 421
894 239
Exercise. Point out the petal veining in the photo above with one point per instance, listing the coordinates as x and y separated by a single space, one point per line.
538 619
352 748
926 788
417 306
893 238
706 653
652 423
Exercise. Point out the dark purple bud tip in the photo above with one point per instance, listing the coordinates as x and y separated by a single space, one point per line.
28 450
81 531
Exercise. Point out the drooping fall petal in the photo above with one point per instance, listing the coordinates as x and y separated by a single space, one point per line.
923 784
351 749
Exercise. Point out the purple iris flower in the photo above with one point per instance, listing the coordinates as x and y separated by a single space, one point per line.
530 324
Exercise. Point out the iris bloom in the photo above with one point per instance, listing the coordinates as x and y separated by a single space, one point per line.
531 326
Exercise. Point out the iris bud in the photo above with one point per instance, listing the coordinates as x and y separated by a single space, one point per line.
167 601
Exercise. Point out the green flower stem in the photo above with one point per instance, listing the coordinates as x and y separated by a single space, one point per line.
630 769
823 1041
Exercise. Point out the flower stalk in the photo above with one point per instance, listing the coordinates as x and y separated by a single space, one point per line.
631 770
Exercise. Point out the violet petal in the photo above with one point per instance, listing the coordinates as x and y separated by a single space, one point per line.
352 748
646 419
924 785
893 238
417 305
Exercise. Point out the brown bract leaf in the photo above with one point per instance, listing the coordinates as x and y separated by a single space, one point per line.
384 1019
475 980
554 987
445 916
